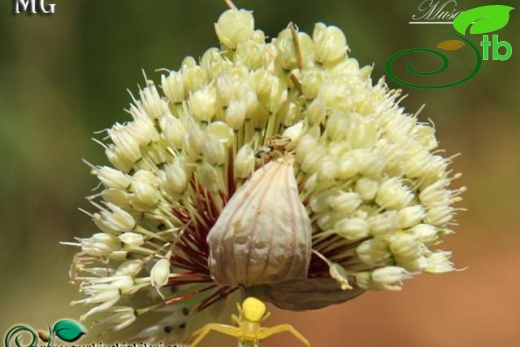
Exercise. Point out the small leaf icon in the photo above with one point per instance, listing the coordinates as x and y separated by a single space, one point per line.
43 335
483 19
68 330
451 45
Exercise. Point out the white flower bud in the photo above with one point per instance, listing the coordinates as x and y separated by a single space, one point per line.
244 162
276 95
172 130
117 197
436 194
366 188
100 244
435 169
142 129
316 112
439 216
305 145
285 51
425 232
348 166
173 86
117 159
160 273
389 277
213 62
112 178
346 203
313 160
294 133
99 293
406 248
393 195
194 77
146 190
235 26
152 102
331 44
115 221
328 169
174 179
193 142
338 124
409 216
289 113
222 131
311 80
352 228
129 268
382 222
374 252
214 151
236 113
202 104
425 135
252 54
416 163
439 262
127 147
371 163
131 239
225 89
361 133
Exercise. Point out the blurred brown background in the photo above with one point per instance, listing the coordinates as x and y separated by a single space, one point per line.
64 76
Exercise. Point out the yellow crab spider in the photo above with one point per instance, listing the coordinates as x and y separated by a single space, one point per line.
248 330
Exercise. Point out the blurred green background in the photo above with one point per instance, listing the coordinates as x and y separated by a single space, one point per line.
66 75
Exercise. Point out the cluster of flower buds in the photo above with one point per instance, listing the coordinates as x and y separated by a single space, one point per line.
275 165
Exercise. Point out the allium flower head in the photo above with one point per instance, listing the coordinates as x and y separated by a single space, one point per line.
277 168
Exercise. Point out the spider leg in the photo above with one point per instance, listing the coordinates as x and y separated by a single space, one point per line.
221 328
265 316
266 332
235 319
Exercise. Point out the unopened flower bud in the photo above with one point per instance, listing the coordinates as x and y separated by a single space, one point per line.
202 104
392 194
244 162
160 273
389 277
352 228
173 86
235 26
131 239
331 44
112 178
409 216
115 221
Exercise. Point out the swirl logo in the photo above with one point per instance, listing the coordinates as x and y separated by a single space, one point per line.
66 329
480 20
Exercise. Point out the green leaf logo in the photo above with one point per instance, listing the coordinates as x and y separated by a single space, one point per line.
68 330
483 19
